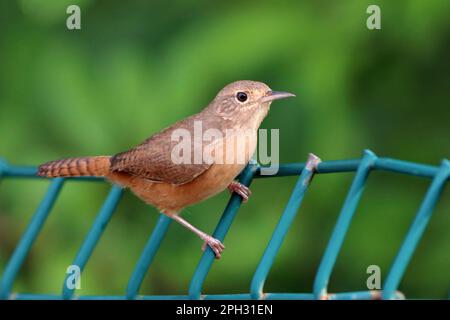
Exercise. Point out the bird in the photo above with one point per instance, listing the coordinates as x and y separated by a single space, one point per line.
155 171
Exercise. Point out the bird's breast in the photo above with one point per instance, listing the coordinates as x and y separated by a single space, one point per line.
235 152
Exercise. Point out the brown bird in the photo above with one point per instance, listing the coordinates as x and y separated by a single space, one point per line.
171 171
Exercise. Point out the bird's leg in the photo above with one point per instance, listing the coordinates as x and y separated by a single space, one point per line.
214 244
240 189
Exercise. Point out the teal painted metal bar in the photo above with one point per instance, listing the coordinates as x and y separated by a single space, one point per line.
29 236
440 176
147 256
362 295
33 296
405 167
334 166
291 169
163 297
416 231
358 295
342 225
3 167
233 296
288 296
222 228
257 284
91 240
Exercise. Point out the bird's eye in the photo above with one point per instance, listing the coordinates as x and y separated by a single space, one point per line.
241 96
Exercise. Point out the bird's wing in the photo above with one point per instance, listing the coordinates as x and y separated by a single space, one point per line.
152 159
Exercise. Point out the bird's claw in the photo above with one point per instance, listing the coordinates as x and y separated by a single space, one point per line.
215 246
240 189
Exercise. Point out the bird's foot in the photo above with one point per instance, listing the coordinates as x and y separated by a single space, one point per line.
240 189
214 244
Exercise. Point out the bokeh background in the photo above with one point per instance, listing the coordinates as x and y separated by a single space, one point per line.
139 66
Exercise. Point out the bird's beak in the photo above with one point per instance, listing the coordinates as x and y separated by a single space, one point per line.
275 95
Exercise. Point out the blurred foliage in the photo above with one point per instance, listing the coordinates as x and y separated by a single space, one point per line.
135 68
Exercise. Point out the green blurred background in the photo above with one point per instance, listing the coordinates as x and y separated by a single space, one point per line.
139 66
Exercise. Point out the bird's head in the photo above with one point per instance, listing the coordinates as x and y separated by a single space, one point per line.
246 99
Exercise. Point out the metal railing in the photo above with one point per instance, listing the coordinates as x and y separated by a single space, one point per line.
362 167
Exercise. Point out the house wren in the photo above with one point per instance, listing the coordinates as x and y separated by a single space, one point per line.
154 172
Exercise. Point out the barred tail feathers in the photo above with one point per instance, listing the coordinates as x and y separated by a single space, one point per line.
76 167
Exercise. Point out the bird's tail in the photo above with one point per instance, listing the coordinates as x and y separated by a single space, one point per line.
75 167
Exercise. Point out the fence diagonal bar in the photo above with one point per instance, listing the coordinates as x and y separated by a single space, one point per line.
91 240
295 200
342 225
416 231
149 252
29 236
222 228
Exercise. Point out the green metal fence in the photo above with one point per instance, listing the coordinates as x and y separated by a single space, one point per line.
362 168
